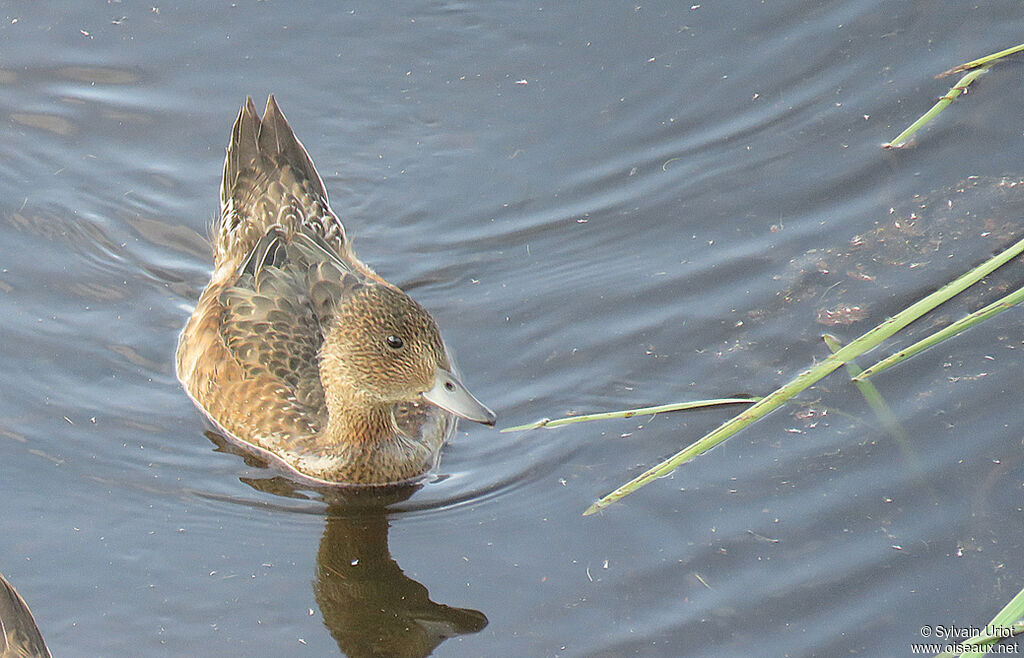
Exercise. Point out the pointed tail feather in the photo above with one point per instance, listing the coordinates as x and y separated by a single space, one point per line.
265 144
269 180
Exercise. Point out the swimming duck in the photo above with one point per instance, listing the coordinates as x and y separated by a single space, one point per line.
297 349
19 635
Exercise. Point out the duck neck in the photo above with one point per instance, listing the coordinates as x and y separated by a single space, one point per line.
357 422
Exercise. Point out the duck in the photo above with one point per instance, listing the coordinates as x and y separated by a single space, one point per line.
298 351
19 634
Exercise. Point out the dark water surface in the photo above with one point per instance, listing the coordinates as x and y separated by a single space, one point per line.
604 205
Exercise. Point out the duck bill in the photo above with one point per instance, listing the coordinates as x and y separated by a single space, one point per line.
449 394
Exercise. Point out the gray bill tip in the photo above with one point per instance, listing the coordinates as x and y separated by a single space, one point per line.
449 394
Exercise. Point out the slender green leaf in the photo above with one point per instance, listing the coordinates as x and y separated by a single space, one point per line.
808 377
964 323
629 413
955 90
982 60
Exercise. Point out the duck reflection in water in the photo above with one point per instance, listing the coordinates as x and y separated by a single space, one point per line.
369 605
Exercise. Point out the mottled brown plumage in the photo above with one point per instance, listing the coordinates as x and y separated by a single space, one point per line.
299 350
19 635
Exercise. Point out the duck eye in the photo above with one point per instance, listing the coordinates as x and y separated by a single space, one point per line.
395 343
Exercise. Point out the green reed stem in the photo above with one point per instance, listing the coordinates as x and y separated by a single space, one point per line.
871 395
939 106
1008 622
628 413
982 61
808 377
964 323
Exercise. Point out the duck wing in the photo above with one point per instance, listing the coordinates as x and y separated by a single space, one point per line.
274 315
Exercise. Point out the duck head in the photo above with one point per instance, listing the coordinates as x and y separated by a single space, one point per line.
382 348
